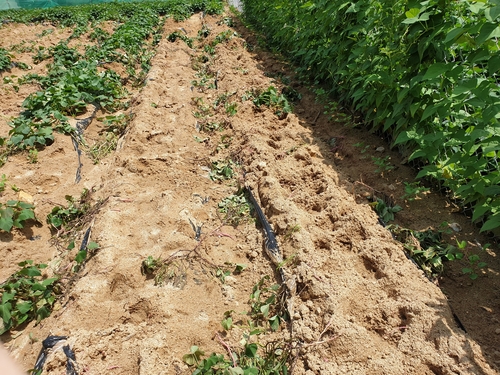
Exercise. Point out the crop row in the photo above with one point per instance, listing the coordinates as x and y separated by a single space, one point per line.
425 73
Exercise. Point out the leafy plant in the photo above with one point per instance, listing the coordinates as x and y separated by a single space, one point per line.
274 100
385 211
425 73
15 213
221 170
26 296
427 248
413 190
231 108
236 208
264 306
382 164
178 35
63 218
5 60
252 358
164 270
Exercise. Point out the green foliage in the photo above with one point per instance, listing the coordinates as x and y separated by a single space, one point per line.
5 60
249 361
413 191
252 358
179 35
164 270
236 208
274 100
383 164
221 170
67 217
75 80
264 304
14 214
26 295
424 72
426 248
385 211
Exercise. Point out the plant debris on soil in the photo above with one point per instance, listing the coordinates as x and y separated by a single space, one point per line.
217 112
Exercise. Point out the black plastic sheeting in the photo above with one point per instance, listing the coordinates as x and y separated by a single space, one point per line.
49 343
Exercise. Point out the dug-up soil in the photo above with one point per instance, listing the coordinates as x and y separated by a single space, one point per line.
361 307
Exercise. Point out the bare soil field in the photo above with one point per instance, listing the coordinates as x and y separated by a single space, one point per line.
360 305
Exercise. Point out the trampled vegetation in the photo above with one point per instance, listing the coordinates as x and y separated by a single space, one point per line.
425 73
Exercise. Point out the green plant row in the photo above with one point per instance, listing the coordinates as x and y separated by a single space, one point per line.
81 15
75 80
426 73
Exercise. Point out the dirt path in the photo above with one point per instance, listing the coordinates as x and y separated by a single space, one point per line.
361 307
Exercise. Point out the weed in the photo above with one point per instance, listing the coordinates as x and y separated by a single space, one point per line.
382 164
427 248
231 108
413 191
263 304
225 142
204 32
384 211
223 37
33 155
228 21
275 101
3 182
26 296
236 208
115 126
82 255
178 35
165 270
221 170
65 218
252 358
290 231
363 148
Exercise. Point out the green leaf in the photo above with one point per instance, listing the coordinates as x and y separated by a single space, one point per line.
24 307
30 271
81 256
494 63
227 323
5 312
436 70
488 31
251 371
251 350
92 246
412 13
492 223
264 309
6 221
274 322
492 13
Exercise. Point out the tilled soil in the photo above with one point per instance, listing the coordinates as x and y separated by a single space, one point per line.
361 307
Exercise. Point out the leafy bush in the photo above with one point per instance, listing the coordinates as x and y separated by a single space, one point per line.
26 295
424 72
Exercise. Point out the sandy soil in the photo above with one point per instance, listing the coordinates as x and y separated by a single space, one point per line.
361 306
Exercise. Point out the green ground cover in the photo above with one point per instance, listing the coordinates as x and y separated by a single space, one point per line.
425 73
